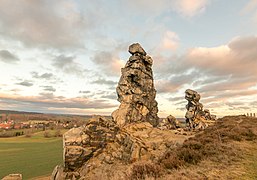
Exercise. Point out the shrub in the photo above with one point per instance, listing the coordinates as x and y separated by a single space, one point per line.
173 162
28 133
58 133
46 134
189 155
145 170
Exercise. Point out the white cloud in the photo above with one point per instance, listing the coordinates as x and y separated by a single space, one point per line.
170 41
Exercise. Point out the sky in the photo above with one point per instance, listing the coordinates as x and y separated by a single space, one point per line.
65 56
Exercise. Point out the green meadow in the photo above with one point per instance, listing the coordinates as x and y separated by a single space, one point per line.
31 156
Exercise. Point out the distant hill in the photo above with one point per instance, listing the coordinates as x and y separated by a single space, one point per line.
37 113
17 112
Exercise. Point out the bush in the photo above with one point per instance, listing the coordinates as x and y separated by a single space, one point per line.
58 133
189 155
173 162
46 134
145 170
28 133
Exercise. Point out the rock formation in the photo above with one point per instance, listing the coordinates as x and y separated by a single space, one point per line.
196 117
105 148
136 91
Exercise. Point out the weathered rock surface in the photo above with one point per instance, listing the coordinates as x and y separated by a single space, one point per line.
83 143
136 91
196 117
13 177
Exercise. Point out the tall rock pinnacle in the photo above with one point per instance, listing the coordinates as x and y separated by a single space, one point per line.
136 91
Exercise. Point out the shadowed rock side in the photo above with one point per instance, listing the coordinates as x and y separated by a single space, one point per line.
196 117
136 91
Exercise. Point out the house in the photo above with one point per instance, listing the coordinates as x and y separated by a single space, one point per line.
6 126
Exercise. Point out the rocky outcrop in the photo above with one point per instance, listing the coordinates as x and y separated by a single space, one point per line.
104 148
136 91
134 142
196 117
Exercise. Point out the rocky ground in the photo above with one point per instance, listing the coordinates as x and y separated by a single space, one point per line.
225 150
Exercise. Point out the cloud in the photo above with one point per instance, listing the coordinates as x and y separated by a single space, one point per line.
25 83
174 82
111 96
154 8
103 81
108 61
43 23
48 101
68 65
49 88
169 42
222 74
237 58
42 76
8 57
84 92
190 8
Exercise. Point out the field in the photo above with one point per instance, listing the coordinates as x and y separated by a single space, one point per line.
31 156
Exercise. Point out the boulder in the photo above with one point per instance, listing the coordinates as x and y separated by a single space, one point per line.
136 48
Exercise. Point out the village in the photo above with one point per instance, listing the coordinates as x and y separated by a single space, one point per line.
20 123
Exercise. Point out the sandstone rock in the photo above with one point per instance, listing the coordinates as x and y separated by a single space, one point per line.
136 48
83 143
13 177
196 117
58 173
136 91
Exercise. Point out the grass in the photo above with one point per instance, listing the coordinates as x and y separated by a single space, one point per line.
250 162
31 156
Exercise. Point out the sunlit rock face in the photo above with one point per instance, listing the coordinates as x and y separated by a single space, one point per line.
136 91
